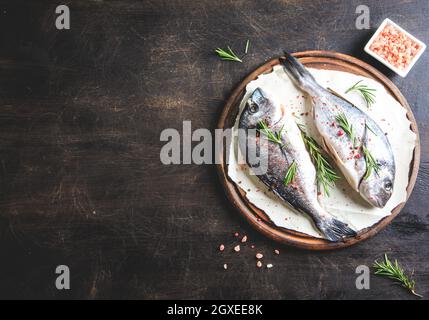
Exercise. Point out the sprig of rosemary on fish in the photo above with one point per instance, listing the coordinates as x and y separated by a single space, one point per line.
371 164
366 92
275 137
370 129
290 174
346 126
395 272
325 174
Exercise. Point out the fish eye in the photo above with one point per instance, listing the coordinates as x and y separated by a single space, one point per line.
253 107
388 185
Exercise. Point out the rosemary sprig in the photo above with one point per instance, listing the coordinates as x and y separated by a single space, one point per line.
290 174
228 54
395 272
246 50
325 174
271 136
346 126
366 92
371 164
370 129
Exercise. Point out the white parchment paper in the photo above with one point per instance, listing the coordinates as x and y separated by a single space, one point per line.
344 202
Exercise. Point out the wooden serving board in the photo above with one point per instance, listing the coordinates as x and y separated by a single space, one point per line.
257 218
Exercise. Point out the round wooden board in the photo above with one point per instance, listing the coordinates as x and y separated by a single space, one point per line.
257 218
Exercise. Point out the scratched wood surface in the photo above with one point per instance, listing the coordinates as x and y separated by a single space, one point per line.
81 182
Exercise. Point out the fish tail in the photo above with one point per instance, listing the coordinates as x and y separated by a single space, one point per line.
335 230
298 73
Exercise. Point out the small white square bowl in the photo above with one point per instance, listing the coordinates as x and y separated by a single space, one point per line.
403 73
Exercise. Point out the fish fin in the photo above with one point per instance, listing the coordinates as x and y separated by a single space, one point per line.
341 97
364 143
365 135
325 145
332 152
312 111
335 230
298 73
340 163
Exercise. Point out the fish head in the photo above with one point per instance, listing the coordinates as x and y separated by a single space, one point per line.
378 187
259 107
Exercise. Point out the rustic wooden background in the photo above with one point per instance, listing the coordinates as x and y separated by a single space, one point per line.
81 182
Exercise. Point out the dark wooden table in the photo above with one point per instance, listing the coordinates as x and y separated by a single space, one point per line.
81 182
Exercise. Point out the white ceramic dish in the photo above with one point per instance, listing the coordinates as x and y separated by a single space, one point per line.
402 72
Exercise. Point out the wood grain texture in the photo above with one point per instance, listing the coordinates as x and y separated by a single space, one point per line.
81 182
325 60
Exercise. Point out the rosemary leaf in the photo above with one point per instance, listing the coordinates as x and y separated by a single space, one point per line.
367 93
325 174
271 136
290 174
346 126
228 54
246 50
370 129
371 164
395 272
